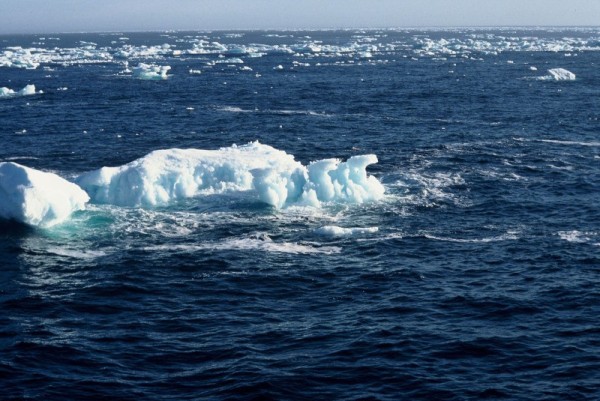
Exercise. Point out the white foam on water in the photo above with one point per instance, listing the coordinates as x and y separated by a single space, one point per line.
37 198
262 243
8 159
571 143
272 175
76 253
577 237
234 109
422 188
337 231
504 237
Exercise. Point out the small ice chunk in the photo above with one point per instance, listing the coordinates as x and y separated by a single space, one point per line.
151 71
37 198
560 74
28 90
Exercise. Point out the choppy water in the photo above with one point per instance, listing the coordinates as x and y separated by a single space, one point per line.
476 277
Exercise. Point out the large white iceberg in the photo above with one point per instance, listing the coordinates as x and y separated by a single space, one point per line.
151 71
164 176
37 198
26 91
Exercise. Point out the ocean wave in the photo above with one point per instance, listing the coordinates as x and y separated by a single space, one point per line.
336 231
503 237
260 242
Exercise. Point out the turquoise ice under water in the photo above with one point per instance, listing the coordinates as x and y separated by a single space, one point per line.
473 276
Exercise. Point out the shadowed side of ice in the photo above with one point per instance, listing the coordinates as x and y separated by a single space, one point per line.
37 198
277 179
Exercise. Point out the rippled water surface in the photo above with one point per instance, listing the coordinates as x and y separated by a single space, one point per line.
476 277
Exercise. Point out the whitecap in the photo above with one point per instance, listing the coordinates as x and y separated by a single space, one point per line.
573 143
337 231
503 237
261 243
76 253
576 236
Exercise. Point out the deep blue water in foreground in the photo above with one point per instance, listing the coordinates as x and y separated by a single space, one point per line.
481 282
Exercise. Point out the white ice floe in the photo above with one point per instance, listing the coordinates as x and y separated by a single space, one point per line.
37 198
151 71
336 231
272 175
558 74
26 91
234 60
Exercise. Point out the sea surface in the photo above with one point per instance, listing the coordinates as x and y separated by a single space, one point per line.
477 276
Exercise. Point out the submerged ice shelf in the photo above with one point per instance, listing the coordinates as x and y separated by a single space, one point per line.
164 176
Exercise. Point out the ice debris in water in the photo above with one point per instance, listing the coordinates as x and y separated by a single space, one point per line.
37 198
164 176
26 91
558 74
151 71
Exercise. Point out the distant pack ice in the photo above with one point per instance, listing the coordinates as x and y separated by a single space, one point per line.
37 198
164 176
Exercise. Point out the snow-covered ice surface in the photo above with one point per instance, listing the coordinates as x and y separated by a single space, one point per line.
37 198
164 176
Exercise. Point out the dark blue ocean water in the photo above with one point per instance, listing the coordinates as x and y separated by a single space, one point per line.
482 280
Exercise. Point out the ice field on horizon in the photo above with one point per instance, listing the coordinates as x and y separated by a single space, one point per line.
364 47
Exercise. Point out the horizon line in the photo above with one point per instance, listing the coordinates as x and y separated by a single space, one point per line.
306 29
